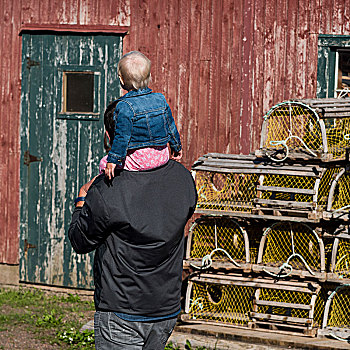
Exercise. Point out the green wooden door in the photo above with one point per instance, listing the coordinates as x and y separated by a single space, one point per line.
67 81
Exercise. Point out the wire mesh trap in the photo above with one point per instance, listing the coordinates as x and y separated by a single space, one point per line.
240 185
336 320
286 307
223 191
292 127
338 204
217 242
340 266
288 249
335 114
212 301
310 129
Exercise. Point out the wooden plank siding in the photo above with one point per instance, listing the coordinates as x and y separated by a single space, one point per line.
221 64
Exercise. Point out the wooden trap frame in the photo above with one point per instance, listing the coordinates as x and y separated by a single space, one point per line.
306 129
336 319
338 203
217 242
291 249
285 307
246 186
219 299
237 301
340 261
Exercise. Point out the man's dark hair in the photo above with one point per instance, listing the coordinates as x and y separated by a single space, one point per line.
109 124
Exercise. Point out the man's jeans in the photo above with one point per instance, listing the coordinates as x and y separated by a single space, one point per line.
113 333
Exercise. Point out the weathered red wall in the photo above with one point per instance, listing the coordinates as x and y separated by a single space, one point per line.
224 63
221 64
14 14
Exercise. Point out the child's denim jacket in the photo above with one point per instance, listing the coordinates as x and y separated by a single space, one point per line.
142 119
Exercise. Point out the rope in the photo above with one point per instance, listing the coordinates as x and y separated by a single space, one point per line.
196 301
331 297
340 209
284 144
287 265
339 338
207 260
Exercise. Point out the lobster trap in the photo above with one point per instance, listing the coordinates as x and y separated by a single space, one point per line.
338 203
219 299
336 320
291 249
306 129
246 186
340 263
225 182
217 242
273 240
285 306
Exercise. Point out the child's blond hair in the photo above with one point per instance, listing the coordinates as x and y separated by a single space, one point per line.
135 69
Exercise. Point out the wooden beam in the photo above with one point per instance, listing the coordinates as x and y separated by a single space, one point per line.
283 305
286 189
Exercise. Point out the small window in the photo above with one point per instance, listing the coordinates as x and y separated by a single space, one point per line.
333 66
342 72
78 92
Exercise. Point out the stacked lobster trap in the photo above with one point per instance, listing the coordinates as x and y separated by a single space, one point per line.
271 248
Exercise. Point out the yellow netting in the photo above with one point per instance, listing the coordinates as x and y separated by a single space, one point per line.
341 196
339 313
328 250
336 129
219 191
283 240
221 303
320 304
289 182
284 296
294 123
342 263
324 187
211 233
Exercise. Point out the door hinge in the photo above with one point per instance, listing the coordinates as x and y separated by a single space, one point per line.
31 63
27 245
28 158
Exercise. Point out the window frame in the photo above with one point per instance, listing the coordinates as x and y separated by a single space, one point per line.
97 102
328 46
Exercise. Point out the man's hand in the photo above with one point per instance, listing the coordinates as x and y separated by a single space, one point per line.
83 191
176 155
109 171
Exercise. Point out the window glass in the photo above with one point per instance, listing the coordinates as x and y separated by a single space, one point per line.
343 74
78 92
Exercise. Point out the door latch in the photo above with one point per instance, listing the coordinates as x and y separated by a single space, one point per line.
28 158
31 63
27 245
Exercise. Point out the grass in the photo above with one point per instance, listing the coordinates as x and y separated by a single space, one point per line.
50 319
56 319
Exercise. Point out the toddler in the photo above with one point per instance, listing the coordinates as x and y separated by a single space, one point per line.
144 124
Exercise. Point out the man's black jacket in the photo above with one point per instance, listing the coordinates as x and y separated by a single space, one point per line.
136 224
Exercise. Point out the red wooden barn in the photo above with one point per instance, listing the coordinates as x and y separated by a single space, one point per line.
221 65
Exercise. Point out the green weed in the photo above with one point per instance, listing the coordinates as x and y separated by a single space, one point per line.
188 346
75 338
49 320
171 346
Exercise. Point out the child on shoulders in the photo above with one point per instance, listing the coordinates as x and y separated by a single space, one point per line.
144 124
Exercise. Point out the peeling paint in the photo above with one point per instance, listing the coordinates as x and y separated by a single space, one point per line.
70 148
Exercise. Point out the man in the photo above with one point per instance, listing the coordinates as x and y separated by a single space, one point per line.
136 225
